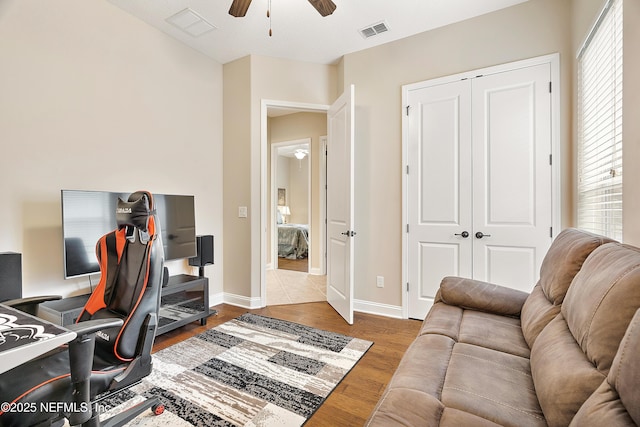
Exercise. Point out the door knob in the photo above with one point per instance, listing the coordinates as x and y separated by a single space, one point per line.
464 234
348 233
480 235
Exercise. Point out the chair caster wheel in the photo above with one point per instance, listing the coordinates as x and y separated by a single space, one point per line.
157 409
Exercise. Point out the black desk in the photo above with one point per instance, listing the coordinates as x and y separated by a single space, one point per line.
23 337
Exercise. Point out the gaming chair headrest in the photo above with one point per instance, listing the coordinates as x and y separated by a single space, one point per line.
136 211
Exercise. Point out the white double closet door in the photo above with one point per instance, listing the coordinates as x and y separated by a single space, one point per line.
479 181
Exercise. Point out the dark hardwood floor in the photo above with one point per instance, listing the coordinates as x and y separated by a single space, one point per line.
355 397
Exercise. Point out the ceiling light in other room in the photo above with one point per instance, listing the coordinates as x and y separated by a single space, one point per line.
299 154
374 29
191 23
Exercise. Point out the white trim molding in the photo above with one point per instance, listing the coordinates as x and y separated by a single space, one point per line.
242 301
379 309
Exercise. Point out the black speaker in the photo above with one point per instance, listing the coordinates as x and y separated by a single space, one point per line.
10 276
205 252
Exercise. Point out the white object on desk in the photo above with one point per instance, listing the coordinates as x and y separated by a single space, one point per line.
24 337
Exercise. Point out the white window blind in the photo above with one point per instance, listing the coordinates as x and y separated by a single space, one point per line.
600 125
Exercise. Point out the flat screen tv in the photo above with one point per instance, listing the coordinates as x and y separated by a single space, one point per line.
88 215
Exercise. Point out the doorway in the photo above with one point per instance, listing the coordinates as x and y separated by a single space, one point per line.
289 129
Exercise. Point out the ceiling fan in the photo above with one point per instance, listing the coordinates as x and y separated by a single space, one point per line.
324 7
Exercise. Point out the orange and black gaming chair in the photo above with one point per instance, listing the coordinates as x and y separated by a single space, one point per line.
115 331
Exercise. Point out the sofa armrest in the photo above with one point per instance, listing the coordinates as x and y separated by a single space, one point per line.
482 296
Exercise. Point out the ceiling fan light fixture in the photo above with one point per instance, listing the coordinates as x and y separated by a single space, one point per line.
299 154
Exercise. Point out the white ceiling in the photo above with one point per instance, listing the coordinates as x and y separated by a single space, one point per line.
299 32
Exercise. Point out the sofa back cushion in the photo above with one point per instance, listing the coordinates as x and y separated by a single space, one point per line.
606 296
560 265
573 354
615 403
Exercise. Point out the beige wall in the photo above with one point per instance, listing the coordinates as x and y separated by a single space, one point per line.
92 98
261 79
237 175
534 28
298 126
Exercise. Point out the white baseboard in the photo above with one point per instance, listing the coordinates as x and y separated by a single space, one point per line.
386 310
361 306
316 271
242 301
216 299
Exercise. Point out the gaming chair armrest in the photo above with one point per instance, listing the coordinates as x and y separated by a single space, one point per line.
81 361
92 326
30 304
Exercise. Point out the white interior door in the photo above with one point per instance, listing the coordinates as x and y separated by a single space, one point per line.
439 206
512 203
340 206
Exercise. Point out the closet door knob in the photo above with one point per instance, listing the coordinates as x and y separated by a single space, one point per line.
464 234
480 235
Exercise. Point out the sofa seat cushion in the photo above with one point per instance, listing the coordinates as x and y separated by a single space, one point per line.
410 408
492 385
424 365
488 330
442 382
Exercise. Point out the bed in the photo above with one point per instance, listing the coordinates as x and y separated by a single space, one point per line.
293 241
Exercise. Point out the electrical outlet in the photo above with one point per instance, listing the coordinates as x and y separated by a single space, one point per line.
380 281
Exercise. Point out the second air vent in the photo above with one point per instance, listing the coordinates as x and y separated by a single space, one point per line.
374 30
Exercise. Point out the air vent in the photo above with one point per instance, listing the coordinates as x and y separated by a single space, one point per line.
374 30
190 22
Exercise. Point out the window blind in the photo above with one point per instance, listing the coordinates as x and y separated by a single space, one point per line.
600 125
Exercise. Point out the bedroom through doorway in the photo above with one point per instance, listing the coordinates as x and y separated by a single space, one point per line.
291 192
295 267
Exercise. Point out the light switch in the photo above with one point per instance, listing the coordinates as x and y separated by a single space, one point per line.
242 212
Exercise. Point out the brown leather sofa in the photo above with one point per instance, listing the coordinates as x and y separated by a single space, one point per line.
488 355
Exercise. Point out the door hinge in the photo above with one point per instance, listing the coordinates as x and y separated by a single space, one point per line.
550 83
407 169
408 107
407 228
407 286
550 159
551 232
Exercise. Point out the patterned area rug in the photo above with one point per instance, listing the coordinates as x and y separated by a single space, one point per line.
250 371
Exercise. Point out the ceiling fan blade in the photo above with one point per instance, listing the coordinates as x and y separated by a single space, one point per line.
324 7
239 8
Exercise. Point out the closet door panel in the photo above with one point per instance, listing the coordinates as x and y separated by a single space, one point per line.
512 175
439 184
